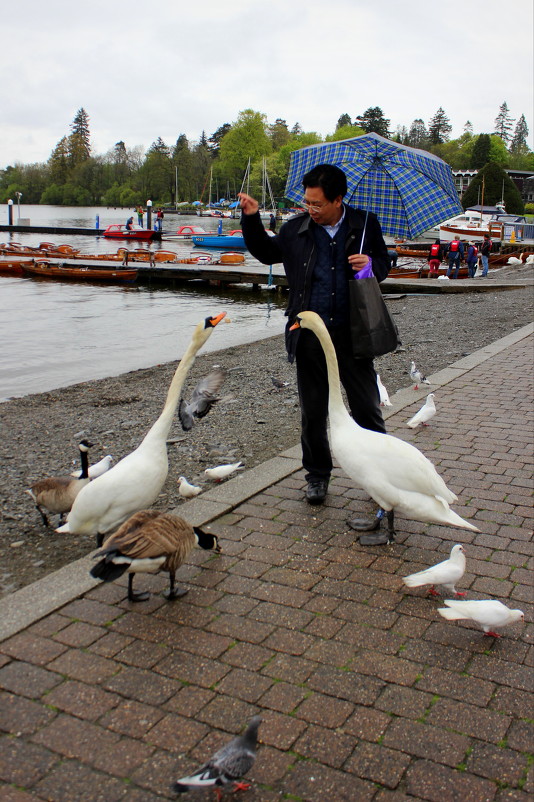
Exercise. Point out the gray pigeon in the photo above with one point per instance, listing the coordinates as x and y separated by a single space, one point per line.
227 765
202 398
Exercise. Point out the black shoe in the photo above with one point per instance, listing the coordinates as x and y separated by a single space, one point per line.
316 491
366 524
377 539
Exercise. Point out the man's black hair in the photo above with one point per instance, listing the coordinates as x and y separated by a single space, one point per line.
331 179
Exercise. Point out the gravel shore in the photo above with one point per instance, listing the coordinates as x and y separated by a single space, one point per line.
40 432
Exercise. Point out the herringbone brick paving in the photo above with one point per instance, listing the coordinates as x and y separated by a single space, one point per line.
365 691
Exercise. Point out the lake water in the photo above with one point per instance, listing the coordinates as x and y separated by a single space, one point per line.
54 334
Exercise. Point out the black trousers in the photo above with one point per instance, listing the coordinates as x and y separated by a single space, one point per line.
358 377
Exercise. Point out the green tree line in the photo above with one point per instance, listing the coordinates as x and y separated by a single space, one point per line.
185 172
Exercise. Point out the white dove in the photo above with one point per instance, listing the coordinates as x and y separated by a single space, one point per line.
384 397
446 573
187 490
427 411
97 469
222 471
417 376
488 613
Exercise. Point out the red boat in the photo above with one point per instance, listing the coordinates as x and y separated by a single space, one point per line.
116 231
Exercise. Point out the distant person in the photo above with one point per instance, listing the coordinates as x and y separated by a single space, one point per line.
393 256
472 260
129 224
140 216
434 259
159 219
272 223
455 255
485 251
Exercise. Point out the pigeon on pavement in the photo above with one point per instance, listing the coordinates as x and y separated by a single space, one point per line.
187 490
487 613
222 471
202 398
227 765
427 411
417 376
384 396
446 573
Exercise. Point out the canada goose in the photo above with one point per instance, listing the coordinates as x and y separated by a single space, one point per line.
57 493
394 473
150 541
203 398
136 480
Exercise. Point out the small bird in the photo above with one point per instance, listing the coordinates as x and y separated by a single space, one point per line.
187 490
278 383
488 613
57 493
427 411
222 471
148 542
384 396
227 765
203 398
446 573
417 376
97 469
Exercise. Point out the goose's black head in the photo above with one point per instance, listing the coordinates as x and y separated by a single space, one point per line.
84 445
207 540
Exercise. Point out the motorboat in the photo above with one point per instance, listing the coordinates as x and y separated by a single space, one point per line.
185 232
117 231
232 240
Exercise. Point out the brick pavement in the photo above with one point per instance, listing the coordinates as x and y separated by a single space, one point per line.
366 692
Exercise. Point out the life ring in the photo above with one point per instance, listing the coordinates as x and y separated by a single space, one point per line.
205 259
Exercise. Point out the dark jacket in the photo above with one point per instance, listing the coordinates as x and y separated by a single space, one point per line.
295 247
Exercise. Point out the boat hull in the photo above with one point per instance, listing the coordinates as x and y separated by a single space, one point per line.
46 270
221 241
118 232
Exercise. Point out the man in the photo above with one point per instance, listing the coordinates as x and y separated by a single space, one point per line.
485 251
320 250
455 253
472 260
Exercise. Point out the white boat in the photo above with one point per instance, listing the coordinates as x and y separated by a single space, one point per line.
474 224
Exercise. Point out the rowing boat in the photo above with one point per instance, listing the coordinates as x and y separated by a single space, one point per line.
13 267
44 269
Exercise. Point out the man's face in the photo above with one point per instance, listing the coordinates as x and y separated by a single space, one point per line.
322 211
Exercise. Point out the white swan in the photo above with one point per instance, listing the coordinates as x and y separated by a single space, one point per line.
513 260
530 259
134 483
394 473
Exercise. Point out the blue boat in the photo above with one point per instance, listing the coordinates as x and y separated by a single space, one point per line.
229 241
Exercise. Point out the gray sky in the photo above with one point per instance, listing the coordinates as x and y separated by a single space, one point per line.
147 69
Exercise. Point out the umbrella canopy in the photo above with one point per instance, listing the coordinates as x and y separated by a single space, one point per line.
409 190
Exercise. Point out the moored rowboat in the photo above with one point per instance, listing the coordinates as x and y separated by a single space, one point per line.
46 270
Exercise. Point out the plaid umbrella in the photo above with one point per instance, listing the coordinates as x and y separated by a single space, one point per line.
409 190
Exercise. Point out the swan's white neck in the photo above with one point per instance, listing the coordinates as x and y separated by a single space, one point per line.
337 410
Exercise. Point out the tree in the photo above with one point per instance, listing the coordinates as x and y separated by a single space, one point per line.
519 139
417 135
279 133
343 120
214 142
439 128
59 162
345 132
497 186
157 174
182 159
468 127
80 138
248 138
503 123
373 121
401 135
481 151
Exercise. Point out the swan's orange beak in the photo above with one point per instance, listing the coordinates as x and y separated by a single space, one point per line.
217 319
296 325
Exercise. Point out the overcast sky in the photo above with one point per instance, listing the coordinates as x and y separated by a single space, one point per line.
146 69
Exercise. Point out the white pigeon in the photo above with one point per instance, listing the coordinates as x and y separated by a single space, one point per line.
187 490
222 471
417 376
97 469
487 613
384 397
427 411
227 765
446 573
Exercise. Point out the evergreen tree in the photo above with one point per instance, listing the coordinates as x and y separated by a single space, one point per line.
182 159
296 130
481 151
519 139
279 133
417 135
59 162
343 120
503 123
439 128
373 121
214 142
468 127
497 186
80 138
